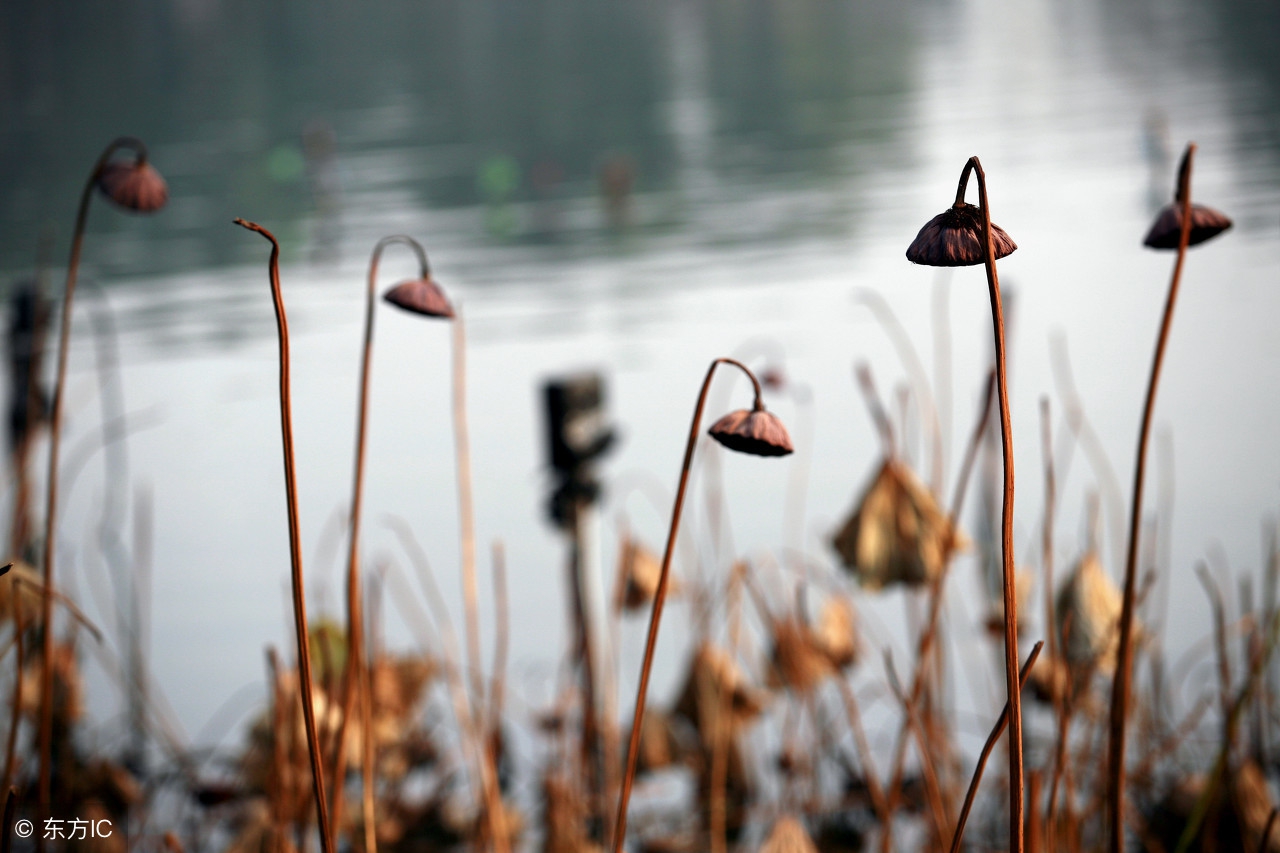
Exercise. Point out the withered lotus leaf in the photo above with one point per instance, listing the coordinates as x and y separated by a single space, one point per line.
897 534
1087 611
639 571
799 662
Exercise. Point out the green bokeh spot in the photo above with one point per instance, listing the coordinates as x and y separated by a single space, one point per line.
285 164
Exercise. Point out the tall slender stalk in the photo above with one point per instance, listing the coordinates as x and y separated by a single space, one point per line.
45 737
356 674
660 597
1006 519
1120 688
295 544
964 236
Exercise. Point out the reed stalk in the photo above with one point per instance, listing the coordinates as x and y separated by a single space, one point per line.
1121 685
295 545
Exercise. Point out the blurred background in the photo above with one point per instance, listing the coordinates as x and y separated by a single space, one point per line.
632 189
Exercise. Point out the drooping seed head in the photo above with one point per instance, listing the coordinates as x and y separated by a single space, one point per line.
134 185
1206 223
953 238
758 432
421 296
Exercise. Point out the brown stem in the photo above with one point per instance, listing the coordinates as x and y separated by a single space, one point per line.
1266 832
51 506
1006 523
1120 688
471 598
11 805
867 384
660 597
295 544
933 790
864 751
15 714
355 611
996 731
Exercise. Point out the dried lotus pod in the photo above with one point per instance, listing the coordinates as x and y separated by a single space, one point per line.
1206 223
798 660
953 238
639 570
135 185
757 432
788 836
1088 607
897 534
420 296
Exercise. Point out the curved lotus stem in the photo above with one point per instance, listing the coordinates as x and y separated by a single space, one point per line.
1124 656
1006 516
45 736
356 675
295 544
660 597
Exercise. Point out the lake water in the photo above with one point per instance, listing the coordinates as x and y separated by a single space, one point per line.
781 158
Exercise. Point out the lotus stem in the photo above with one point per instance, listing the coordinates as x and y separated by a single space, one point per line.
1121 686
355 674
660 597
1006 516
45 737
295 545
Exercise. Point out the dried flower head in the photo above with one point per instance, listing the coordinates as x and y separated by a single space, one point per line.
798 660
837 633
1023 583
757 432
133 185
1050 680
897 533
953 238
659 745
788 836
712 672
639 571
1088 608
421 296
1206 223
